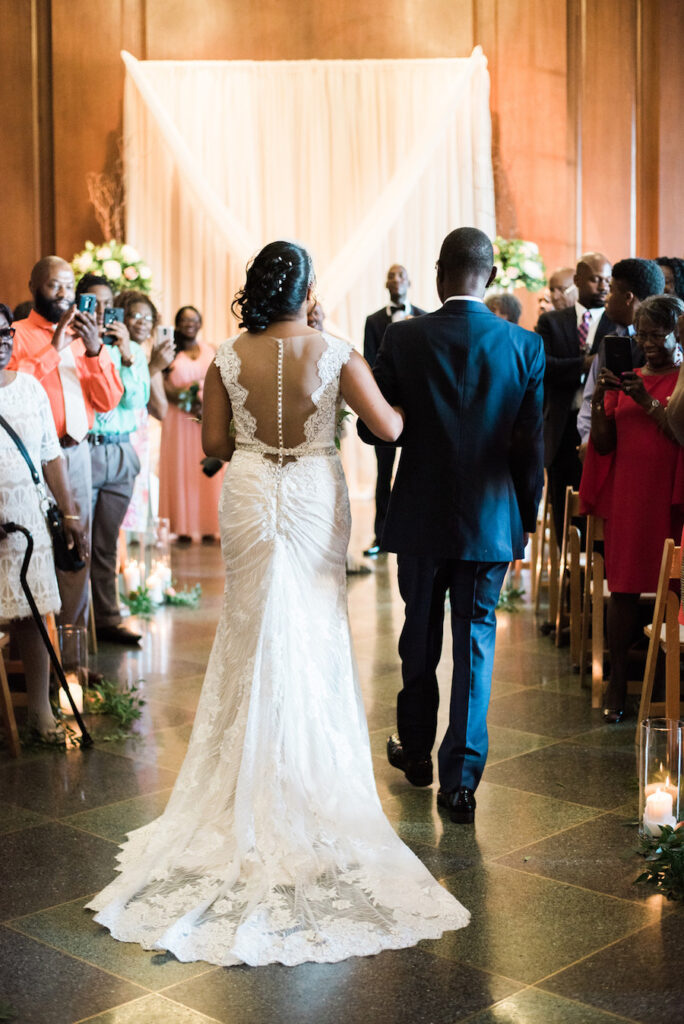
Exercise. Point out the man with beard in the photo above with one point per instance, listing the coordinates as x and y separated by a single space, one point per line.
62 348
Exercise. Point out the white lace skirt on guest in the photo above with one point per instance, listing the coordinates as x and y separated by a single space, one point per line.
274 846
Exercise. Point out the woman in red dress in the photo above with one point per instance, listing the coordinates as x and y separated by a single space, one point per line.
633 478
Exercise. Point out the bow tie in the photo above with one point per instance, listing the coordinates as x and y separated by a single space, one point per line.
402 308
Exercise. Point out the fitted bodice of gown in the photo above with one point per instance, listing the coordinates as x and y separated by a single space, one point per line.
284 392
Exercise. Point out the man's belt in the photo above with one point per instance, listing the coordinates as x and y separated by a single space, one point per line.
68 442
97 439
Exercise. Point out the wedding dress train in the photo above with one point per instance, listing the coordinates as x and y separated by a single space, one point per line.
274 846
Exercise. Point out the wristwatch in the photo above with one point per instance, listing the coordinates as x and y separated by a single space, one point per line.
655 404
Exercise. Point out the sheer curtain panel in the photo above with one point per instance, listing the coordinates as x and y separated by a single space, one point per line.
366 163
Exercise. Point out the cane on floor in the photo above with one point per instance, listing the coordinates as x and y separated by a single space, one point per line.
86 738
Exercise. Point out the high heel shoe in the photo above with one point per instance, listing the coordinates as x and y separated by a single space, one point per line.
611 716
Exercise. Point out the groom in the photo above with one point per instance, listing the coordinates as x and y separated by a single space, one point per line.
465 495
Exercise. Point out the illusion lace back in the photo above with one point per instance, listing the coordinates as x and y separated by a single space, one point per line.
273 846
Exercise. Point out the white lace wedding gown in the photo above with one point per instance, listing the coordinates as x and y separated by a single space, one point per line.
274 846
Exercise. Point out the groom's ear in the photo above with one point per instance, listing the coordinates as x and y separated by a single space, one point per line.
492 277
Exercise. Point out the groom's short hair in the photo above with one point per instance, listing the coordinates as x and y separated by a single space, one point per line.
466 249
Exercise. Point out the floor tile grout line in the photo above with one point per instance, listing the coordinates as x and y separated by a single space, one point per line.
80 959
114 803
575 1002
573 885
529 792
10 921
594 952
119 1006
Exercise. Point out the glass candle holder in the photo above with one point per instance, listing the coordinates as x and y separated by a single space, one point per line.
158 559
73 651
661 752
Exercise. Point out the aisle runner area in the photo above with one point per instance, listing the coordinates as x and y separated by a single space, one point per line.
558 932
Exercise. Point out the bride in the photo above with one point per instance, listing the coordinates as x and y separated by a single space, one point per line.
274 846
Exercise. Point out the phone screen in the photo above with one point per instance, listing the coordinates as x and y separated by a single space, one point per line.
618 354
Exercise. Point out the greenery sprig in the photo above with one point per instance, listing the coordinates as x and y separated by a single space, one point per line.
518 265
185 598
509 598
664 856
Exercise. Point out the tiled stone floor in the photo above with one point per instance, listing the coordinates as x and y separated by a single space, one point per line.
559 934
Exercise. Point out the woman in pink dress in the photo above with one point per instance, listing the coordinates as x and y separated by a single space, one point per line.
187 497
633 478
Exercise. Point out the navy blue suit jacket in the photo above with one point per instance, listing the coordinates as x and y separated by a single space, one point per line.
471 469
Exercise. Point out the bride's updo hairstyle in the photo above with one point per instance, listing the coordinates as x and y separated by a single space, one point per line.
277 282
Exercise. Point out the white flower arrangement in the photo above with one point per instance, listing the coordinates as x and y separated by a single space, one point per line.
518 265
119 262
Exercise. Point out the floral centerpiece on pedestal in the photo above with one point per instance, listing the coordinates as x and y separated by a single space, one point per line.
518 264
118 262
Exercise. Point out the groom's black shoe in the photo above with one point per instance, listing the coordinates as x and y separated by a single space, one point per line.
417 771
460 803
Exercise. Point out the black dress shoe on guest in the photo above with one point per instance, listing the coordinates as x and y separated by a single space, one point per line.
460 803
418 771
611 716
118 635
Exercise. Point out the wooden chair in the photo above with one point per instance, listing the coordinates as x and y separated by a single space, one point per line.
665 634
572 562
595 596
7 703
547 565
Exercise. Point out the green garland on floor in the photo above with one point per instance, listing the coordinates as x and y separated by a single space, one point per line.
140 603
105 698
664 862
509 598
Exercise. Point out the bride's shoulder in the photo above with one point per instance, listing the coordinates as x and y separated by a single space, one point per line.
340 348
226 357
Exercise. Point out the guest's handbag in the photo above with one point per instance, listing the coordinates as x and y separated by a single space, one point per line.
67 559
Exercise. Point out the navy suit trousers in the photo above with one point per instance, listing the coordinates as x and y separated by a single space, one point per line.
473 589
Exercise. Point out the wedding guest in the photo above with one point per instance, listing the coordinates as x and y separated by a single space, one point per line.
398 308
562 288
187 497
140 318
571 338
505 306
114 463
62 349
632 281
25 407
673 272
633 479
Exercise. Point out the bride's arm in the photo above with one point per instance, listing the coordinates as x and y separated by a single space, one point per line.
217 414
363 395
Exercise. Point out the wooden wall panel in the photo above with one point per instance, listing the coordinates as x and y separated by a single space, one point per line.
609 128
21 213
292 30
87 95
572 80
525 42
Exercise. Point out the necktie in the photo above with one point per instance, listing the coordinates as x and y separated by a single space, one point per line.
74 406
583 330
401 307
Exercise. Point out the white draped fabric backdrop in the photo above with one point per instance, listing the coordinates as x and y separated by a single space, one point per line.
366 163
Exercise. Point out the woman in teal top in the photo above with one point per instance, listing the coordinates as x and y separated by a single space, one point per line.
115 464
